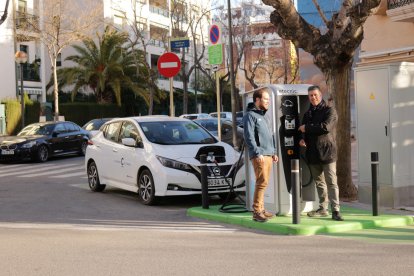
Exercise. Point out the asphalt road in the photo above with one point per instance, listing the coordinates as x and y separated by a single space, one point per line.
52 224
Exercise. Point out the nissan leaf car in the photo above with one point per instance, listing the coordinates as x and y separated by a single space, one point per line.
158 156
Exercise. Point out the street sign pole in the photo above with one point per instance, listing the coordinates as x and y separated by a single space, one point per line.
171 87
218 105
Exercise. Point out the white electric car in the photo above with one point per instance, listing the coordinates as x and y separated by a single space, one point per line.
160 156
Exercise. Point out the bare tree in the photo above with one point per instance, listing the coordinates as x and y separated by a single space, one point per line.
61 24
333 51
4 16
189 21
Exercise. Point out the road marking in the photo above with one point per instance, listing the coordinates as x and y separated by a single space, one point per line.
49 172
69 175
118 225
24 170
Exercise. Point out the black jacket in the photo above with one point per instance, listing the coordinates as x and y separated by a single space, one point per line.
320 133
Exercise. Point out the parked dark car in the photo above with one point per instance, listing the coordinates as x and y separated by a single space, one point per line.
39 141
211 125
93 126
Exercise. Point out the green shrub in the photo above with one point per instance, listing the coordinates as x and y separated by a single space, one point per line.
13 116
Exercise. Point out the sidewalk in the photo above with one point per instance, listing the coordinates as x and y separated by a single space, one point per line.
355 219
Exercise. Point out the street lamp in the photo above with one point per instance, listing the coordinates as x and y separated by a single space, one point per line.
21 57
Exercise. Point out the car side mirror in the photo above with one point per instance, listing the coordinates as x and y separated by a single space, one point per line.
55 134
130 142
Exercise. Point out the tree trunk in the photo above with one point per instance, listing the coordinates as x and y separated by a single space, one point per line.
151 99
338 81
55 90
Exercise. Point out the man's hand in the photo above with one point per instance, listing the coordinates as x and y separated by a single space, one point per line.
302 143
260 158
275 158
302 129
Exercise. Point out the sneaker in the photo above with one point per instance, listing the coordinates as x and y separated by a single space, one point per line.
259 217
318 213
267 214
337 216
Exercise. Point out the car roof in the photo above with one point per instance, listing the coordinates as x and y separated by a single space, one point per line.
152 118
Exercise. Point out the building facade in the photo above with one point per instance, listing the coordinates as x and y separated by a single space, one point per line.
157 21
384 84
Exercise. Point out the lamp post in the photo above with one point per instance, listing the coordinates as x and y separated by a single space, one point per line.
21 58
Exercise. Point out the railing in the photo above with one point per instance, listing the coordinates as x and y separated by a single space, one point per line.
159 11
156 42
394 4
26 21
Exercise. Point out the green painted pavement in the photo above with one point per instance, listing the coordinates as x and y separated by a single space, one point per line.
355 219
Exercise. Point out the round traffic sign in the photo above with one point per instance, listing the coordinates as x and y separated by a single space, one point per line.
169 64
214 34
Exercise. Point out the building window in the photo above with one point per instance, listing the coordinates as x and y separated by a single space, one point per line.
22 6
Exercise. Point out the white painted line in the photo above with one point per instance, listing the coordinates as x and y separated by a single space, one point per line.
68 175
24 171
50 172
169 64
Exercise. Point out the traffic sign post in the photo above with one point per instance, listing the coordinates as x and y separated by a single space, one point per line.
215 34
169 65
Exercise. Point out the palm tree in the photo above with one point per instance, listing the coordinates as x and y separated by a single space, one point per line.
107 67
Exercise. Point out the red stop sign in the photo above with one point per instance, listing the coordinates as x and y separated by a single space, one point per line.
169 64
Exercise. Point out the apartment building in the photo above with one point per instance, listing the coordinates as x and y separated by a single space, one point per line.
158 20
265 56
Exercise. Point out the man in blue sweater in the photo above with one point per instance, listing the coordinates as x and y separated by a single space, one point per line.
261 147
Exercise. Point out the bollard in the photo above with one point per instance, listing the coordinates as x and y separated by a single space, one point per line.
204 184
375 188
294 165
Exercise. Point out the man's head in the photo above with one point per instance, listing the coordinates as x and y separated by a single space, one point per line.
315 95
261 99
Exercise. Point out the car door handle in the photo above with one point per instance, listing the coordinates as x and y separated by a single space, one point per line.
114 150
66 137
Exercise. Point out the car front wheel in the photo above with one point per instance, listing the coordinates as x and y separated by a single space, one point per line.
146 188
42 153
93 178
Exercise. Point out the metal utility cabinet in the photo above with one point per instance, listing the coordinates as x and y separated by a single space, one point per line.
385 124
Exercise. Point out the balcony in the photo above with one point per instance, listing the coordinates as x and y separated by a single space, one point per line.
401 10
160 11
27 22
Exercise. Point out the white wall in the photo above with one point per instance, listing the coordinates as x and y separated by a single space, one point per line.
7 64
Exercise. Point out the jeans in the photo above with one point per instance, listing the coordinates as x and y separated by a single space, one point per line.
262 173
326 184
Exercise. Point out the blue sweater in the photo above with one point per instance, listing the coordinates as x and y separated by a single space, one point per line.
257 133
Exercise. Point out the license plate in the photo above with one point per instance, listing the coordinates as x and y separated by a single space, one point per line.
213 182
7 152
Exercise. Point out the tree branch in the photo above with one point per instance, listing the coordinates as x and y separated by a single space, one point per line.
320 11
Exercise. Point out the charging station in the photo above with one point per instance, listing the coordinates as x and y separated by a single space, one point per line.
288 104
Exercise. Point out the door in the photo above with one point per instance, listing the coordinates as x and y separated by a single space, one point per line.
373 125
108 156
130 157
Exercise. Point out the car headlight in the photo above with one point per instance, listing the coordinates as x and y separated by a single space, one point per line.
28 145
170 163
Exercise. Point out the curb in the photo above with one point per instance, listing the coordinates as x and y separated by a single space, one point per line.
355 219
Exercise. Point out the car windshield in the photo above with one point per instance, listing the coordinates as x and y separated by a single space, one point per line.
36 130
176 133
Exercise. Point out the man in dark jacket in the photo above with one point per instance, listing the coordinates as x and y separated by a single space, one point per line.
319 129
261 147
